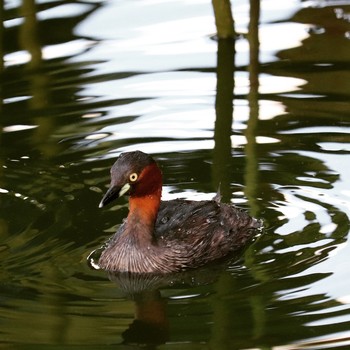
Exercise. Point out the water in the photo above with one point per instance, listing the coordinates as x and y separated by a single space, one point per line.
83 81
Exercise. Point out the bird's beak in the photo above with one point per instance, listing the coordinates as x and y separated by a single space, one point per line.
113 193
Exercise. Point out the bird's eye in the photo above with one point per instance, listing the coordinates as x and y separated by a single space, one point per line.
133 177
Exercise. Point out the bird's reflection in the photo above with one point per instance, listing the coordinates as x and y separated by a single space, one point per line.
150 325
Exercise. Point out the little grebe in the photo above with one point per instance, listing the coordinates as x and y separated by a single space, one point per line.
167 236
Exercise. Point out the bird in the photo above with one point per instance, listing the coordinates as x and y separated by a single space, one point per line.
166 236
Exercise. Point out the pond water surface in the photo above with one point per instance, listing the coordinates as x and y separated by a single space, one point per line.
267 116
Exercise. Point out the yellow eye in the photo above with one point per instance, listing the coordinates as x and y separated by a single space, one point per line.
133 177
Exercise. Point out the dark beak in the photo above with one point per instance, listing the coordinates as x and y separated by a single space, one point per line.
113 193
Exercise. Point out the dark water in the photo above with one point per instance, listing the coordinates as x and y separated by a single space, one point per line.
82 81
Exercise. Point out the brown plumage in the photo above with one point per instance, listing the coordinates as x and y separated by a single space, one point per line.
168 236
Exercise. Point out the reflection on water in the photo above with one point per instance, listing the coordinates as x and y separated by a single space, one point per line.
83 81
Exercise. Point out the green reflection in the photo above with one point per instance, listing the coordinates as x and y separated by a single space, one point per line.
2 51
222 153
251 170
37 78
224 19
3 222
